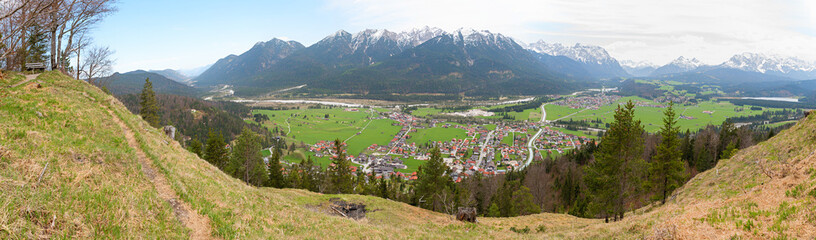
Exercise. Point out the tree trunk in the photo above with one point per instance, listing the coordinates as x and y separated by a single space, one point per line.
77 69
53 47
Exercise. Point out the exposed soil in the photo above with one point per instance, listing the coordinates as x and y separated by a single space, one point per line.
198 225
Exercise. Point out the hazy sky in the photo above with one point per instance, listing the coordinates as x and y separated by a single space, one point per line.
148 34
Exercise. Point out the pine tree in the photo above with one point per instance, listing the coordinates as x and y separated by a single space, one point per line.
308 178
432 179
246 162
36 44
493 211
216 152
196 147
276 178
666 170
523 201
614 176
340 177
149 108
382 186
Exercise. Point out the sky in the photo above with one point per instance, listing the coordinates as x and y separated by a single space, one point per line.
176 34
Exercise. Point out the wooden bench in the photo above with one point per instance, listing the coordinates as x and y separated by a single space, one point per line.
35 66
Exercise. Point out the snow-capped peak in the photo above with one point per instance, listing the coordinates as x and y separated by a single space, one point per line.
755 62
578 52
687 64
472 37
637 64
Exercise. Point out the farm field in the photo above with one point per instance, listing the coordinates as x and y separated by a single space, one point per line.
556 111
422 136
311 126
704 113
360 129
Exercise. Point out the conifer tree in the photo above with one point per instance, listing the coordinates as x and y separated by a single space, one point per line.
246 162
149 108
36 44
276 178
340 177
493 211
666 170
196 147
432 180
614 176
308 178
523 201
216 152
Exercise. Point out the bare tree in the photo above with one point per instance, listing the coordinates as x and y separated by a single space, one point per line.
16 17
70 19
97 63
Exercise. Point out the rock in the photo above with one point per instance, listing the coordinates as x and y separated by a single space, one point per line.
170 131
466 214
39 114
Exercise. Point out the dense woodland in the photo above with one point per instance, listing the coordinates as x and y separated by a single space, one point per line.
225 118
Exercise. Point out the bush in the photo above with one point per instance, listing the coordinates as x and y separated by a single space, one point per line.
520 230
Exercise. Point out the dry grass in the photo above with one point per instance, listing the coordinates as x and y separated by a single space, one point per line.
93 188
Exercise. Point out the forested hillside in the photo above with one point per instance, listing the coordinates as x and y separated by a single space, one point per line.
195 118
70 160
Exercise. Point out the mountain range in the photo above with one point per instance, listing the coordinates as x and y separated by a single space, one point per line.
470 62
133 83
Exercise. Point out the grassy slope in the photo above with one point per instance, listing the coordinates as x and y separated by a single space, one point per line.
710 206
92 187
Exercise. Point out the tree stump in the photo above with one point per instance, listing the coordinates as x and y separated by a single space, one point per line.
466 214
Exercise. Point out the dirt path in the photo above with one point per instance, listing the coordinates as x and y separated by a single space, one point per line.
28 79
198 225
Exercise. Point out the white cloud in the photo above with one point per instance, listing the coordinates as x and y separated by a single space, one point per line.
657 31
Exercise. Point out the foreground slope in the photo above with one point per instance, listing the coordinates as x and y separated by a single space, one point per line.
94 185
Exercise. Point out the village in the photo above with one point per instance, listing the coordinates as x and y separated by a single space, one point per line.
484 150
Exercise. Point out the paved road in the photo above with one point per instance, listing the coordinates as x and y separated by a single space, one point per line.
484 147
531 143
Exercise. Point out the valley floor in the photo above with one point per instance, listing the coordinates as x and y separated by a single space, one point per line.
68 170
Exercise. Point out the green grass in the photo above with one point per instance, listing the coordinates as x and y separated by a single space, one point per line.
777 124
508 139
411 163
423 112
558 111
380 132
92 186
311 126
422 136
652 117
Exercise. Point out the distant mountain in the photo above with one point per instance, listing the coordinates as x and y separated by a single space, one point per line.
464 61
258 59
564 65
723 76
332 54
774 65
172 75
194 72
594 58
133 83
679 65
638 69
